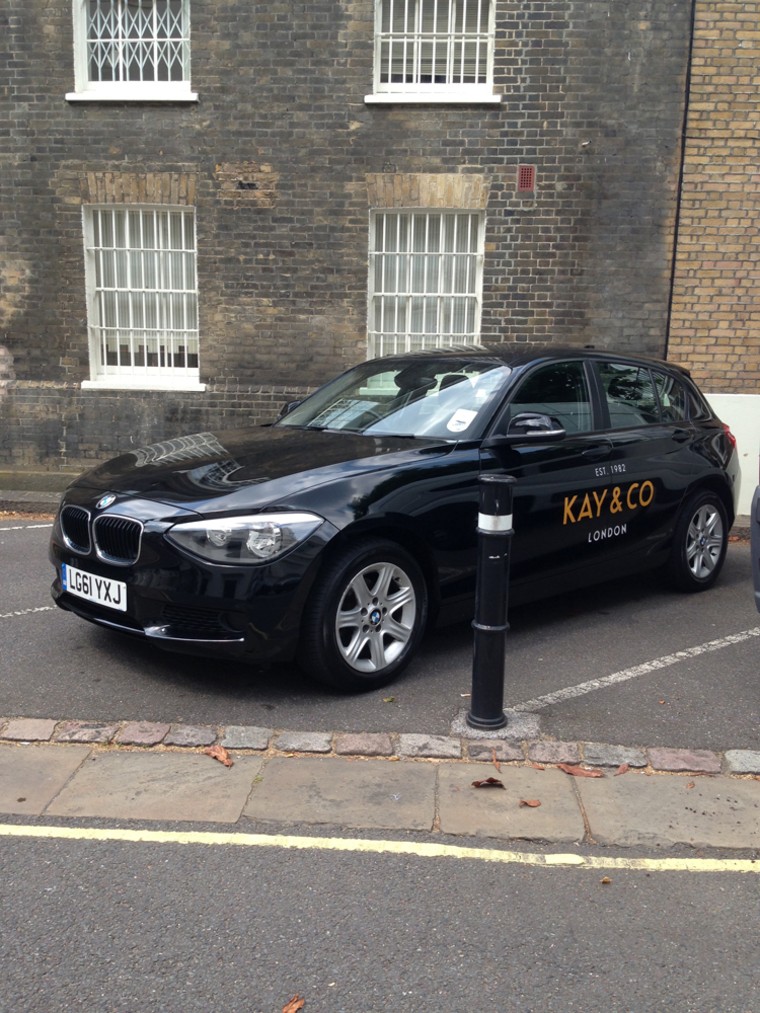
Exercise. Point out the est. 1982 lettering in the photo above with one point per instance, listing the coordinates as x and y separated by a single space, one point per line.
609 469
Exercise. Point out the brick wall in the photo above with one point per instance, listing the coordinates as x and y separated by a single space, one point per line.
715 327
48 424
281 158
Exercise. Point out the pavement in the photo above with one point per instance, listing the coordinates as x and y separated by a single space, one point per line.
506 786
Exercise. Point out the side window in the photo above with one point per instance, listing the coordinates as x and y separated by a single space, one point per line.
558 390
673 397
630 394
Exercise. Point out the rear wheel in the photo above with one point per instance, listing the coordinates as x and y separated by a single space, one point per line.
699 543
365 618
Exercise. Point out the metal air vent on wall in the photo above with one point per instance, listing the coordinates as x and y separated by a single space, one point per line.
526 178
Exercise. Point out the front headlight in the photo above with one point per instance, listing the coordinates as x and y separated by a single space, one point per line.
255 539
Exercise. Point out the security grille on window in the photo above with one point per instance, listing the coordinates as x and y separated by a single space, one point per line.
425 280
143 300
428 45
132 48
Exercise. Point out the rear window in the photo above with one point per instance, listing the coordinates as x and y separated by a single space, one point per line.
674 397
629 391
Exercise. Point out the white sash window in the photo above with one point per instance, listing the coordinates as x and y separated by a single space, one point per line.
132 49
428 49
142 296
425 280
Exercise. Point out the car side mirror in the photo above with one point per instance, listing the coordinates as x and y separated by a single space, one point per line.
528 427
288 407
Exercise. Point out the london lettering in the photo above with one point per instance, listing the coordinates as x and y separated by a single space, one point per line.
602 534
607 502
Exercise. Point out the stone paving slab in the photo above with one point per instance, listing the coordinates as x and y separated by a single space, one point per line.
362 794
497 812
32 776
743 761
28 729
158 786
637 810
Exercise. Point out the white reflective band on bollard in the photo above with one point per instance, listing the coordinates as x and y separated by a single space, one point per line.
493 522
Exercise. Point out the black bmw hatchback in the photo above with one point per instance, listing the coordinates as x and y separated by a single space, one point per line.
340 533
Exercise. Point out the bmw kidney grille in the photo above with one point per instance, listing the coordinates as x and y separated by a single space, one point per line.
117 539
75 524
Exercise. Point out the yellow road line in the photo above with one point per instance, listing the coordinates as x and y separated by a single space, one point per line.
380 847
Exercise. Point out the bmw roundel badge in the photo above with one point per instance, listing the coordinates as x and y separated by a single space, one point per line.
105 501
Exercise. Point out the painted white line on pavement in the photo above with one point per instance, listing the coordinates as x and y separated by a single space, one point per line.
26 612
633 673
379 847
25 527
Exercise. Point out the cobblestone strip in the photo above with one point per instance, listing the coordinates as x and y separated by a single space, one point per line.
381 745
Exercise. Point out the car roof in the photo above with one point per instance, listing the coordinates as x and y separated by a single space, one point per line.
520 354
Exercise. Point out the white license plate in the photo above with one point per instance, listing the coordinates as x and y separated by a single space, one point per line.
101 590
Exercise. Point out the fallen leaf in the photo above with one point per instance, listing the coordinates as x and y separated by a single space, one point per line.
537 766
531 803
488 782
690 784
570 768
294 1005
219 753
606 880
389 699
494 760
622 769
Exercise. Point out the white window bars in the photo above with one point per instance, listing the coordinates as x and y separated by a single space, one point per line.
142 293
132 49
430 45
425 280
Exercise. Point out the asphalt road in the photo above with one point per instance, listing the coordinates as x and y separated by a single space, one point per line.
55 665
104 926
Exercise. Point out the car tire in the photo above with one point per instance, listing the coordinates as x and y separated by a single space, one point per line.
700 541
365 618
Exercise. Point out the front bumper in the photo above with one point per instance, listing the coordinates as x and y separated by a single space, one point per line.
184 604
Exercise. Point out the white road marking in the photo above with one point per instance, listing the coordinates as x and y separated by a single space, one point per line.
379 847
633 673
25 527
26 612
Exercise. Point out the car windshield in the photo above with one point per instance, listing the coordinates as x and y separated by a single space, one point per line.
436 397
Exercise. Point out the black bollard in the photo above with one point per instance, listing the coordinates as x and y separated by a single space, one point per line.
491 602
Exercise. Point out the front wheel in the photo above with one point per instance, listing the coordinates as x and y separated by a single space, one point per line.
699 543
365 618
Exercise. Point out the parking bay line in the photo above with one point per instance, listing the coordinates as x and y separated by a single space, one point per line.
26 612
417 849
633 673
25 527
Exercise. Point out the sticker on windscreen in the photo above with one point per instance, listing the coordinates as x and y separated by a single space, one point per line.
460 420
